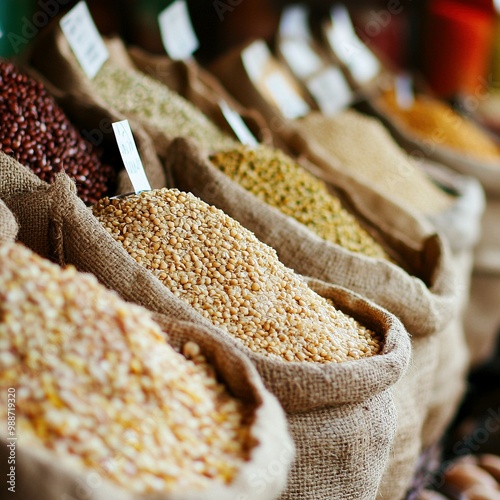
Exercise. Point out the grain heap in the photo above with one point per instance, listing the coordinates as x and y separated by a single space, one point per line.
98 385
434 121
225 273
282 183
363 146
37 133
155 105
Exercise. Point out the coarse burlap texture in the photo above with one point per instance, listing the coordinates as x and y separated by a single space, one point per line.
482 319
41 475
54 59
461 226
423 298
94 120
201 88
230 70
8 224
353 397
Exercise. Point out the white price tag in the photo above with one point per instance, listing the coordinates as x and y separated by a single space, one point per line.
84 39
177 32
360 60
330 90
254 58
294 22
130 156
290 103
300 57
404 91
237 124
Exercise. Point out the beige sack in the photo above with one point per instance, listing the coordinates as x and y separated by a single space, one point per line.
8 224
342 416
425 304
39 475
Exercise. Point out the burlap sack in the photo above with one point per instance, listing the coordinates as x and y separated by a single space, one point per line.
199 87
8 224
461 226
39 474
423 298
94 120
354 398
230 70
54 59
488 173
482 319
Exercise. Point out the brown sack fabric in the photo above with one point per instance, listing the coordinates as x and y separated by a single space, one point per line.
168 114
353 396
425 306
39 475
201 88
8 224
94 120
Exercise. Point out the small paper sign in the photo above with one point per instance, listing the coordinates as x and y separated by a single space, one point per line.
294 22
290 103
130 156
84 39
254 58
330 90
299 56
237 124
177 32
360 60
404 91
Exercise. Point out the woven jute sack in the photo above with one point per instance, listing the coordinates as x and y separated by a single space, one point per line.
53 64
40 474
460 227
8 224
199 87
350 402
423 298
54 59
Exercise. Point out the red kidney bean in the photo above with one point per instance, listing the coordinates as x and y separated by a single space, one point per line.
37 133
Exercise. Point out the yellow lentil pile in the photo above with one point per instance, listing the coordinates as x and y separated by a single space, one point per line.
97 384
282 183
226 274
138 95
435 121
363 146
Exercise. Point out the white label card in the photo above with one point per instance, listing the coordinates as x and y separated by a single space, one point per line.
330 90
360 60
237 124
177 32
84 39
294 22
130 156
300 57
405 96
254 58
290 103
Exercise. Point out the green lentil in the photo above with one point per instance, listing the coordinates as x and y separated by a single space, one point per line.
282 183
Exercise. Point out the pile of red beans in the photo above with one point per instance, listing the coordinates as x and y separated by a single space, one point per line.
36 132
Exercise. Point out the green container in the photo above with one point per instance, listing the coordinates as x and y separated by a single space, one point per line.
20 23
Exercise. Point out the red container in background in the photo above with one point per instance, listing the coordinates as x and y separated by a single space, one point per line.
457 45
